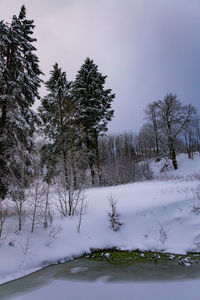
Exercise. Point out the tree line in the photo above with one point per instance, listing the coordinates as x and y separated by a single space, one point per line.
65 144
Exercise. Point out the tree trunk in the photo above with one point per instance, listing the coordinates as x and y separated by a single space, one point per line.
19 222
33 220
65 169
173 156
3 169
97 156
90 149
70 198
46 207
35 205
73 167
157 147
21 201
92 170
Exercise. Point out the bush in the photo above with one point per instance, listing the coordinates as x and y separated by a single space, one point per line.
114 216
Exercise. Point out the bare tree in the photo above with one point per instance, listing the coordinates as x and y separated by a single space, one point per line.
68 196
82 211
173 117
47 215
41 184
3 215
54 233
146 141
20 174
152 117
121 157
37 199
191 136
197 132
26 245
18 195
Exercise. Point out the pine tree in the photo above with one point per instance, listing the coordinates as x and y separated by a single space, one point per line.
56 112
53 113
59 115
93 103
4 31
55 106
19 83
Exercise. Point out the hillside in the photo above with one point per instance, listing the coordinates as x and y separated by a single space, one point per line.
162 214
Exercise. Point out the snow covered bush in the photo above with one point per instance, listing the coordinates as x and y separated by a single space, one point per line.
162 233
114 216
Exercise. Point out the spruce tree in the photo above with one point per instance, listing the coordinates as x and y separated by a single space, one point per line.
60 127
4 30
56 113
19 83
54 106
93 103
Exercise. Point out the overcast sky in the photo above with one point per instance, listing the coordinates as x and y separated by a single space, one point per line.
147 48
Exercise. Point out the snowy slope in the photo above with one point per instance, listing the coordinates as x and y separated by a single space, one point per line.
157 215
186 167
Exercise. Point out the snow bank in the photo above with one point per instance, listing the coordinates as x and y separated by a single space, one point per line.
157 215
186 167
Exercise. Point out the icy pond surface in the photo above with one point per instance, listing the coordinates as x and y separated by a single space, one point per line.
82 279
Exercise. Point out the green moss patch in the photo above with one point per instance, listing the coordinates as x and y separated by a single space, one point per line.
115 256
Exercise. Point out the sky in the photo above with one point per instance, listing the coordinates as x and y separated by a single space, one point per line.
147 48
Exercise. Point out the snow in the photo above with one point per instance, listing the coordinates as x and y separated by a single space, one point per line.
187 167
157 215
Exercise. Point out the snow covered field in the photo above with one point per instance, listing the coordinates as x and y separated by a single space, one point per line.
157 215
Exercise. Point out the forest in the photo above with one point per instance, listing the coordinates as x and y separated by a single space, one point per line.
65 146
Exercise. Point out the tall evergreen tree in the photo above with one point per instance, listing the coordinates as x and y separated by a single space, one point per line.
4 32
54 106
57 114
60 127
19 83
93 102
